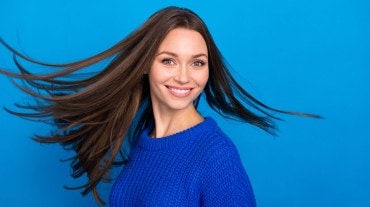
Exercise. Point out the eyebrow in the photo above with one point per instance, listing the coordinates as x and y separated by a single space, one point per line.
176 55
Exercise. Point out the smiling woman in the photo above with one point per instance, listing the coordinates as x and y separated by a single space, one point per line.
177 77
147 98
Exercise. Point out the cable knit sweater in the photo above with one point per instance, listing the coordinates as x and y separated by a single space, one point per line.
199 166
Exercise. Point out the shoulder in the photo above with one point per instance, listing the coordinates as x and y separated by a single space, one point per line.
216 142
214 148
224 181
217 150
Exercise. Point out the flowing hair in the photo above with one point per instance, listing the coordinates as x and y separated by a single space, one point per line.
96 114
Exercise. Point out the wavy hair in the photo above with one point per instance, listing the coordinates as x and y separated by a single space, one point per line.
96 114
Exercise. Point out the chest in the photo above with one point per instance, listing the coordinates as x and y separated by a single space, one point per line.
170 178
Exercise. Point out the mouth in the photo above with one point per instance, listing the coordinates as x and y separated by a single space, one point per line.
179 91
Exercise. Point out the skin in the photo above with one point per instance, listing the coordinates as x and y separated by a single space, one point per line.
177 77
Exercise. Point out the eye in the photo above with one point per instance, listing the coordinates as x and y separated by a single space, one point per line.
168 61
198 63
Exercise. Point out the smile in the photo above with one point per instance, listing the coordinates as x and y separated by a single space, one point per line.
179 92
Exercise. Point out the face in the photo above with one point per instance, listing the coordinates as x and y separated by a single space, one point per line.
179 71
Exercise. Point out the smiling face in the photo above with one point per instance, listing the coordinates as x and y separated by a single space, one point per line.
179 71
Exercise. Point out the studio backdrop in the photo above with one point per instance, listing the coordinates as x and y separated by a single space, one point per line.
309 56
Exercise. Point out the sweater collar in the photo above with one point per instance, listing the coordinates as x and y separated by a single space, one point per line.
177 139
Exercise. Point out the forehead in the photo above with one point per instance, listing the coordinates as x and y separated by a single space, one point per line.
182 40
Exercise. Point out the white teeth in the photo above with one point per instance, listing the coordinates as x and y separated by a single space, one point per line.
182 91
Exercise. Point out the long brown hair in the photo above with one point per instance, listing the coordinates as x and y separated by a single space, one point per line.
96 114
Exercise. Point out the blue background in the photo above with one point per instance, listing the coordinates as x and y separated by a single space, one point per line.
307 55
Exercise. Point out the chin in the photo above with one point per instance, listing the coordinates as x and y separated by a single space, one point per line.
180 106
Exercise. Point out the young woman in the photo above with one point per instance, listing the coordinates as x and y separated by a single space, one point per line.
145 101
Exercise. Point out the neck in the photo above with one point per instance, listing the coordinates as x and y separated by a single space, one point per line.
169 123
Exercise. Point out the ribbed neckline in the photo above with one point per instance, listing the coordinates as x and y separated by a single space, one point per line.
177 139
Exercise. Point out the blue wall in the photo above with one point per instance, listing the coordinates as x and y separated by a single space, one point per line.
308 55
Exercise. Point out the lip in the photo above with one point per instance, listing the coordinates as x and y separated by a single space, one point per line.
179 91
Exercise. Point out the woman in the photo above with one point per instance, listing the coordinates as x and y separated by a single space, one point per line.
145 101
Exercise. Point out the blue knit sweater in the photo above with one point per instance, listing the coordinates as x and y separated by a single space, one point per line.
199 166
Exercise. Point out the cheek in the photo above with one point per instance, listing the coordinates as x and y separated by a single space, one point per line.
158 74
202 78
154 74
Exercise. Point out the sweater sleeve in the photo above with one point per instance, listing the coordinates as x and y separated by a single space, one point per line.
225 181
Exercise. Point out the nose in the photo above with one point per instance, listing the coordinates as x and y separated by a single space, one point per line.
182 75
